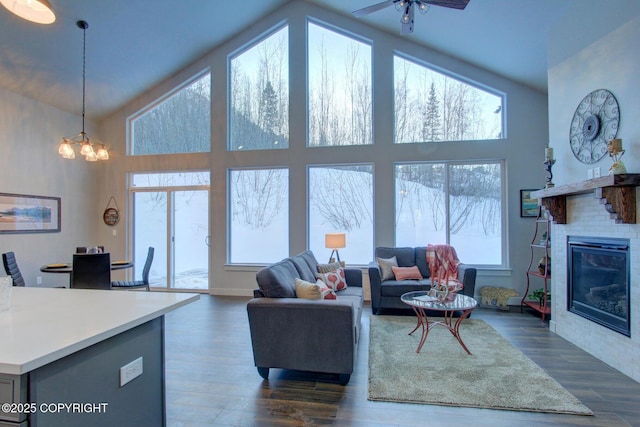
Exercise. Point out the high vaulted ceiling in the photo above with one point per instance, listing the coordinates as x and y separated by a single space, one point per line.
133 44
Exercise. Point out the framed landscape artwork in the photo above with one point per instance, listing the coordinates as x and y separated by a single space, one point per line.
528 205
20 213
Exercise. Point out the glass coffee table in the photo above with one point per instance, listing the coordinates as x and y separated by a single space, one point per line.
421 301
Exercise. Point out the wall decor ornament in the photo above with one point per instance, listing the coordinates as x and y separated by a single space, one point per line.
20 213
111 216
595 122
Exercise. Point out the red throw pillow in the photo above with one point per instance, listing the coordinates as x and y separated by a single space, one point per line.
406 273
334 279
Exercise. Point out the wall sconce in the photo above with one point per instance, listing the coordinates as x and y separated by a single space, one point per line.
335 241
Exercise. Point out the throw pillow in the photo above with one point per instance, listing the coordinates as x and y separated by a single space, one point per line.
386 267
327 268
335 279
407 273
318 290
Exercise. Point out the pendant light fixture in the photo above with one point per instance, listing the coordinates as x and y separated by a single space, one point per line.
87 147
38 11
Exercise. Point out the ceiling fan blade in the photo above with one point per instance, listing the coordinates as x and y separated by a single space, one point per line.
373 8
453 4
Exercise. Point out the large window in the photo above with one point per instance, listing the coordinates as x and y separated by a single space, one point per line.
341 200
340 100
460 204
259 95
179 123
433 107
259 215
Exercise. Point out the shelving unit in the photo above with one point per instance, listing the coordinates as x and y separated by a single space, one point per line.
539 249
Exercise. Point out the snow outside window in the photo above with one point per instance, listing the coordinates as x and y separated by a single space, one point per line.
259 215
341 201
456 204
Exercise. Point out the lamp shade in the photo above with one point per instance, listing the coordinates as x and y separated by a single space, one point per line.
38 11
335 240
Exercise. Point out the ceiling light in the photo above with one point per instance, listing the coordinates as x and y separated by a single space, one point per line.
87 146
38 11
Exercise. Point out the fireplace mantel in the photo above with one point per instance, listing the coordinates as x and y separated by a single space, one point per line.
616 192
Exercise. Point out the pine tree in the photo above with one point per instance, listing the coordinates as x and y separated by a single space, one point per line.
431 123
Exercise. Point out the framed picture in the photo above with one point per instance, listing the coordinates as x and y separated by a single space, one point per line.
528 205
20 213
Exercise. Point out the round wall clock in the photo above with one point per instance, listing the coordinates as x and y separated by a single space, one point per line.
595 123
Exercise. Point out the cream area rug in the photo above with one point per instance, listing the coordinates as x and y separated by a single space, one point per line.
496 375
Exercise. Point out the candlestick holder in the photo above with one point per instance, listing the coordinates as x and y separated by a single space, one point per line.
548 164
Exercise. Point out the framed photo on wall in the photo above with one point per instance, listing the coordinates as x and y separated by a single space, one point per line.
20 213
528 205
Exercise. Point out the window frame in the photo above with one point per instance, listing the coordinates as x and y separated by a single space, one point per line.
455 76
130 132
504 253
358 38
239 51
229 212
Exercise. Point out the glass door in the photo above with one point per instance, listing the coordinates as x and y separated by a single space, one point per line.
171 213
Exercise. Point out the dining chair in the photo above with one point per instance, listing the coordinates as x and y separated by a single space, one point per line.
81 249
12 269
137 284
91 271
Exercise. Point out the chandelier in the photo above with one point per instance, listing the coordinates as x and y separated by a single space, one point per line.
91 150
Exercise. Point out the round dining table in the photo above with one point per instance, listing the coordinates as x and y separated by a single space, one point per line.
67 267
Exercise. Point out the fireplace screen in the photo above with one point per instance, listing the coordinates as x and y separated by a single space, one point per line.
598 273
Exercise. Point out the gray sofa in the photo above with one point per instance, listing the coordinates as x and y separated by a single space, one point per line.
303 334
386 294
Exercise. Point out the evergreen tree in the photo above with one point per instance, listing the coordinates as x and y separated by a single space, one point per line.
431 124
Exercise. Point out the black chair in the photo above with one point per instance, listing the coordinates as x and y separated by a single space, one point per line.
137 284
12 269
91 271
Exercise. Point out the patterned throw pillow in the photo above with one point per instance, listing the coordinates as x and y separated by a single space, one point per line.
334 279
327 268
386 267
318 290
407 273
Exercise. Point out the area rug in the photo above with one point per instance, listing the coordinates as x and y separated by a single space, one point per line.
496 375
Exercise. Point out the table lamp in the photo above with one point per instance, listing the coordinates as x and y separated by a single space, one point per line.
335 241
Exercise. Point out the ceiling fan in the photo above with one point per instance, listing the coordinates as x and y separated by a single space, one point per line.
407 9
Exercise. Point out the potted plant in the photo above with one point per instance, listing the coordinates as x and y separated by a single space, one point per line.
538 294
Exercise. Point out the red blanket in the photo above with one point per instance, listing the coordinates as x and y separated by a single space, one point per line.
443 262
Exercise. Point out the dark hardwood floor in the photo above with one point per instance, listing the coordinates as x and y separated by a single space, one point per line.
211 380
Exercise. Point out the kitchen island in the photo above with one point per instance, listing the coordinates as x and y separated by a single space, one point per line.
84 357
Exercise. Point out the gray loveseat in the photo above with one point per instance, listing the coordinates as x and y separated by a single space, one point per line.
386 294
303 334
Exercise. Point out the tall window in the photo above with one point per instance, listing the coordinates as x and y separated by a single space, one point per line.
433 107
259 215
259 95
179 123
340 100
459 204
341 200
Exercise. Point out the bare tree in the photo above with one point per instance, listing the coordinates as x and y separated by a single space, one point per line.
259 196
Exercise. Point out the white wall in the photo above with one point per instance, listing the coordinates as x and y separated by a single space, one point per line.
608 62
29 136
526 112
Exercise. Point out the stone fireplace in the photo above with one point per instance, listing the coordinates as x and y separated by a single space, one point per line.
585 215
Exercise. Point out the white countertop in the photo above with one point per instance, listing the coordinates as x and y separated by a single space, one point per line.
44 325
